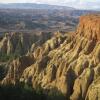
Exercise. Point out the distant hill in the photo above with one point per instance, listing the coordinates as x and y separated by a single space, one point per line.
32 6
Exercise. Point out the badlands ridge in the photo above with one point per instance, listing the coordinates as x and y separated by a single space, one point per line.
69 63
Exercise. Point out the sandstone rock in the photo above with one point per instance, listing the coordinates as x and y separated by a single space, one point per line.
94 90
16 69
20 44
81 85
89 27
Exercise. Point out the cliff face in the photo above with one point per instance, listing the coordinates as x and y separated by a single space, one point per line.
20 44
69 63
89 27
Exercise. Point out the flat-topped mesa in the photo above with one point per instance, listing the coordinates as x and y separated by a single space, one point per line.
89 26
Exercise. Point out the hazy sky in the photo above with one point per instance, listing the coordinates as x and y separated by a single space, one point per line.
90 4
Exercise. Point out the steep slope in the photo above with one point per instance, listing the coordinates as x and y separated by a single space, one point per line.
69 63
19 44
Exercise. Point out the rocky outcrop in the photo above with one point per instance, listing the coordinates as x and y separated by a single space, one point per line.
89 26
5 45
94 90
16 68
81 85
69 63
20 44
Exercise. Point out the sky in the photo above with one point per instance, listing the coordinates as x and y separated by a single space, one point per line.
81 4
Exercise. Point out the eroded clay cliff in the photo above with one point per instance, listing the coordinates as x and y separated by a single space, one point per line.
69 63
20 44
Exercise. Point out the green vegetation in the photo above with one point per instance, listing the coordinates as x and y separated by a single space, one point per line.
19 93
25 92
54 94
2 72
5 57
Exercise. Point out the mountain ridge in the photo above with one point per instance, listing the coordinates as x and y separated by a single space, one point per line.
33 6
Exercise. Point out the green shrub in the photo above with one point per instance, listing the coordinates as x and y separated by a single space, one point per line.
25 92
19 92
5 57
2 72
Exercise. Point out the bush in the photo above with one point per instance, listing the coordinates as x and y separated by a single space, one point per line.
25 92
2 71
5 57
19 93
55 94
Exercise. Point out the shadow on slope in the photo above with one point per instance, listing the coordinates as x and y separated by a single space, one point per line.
25 92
